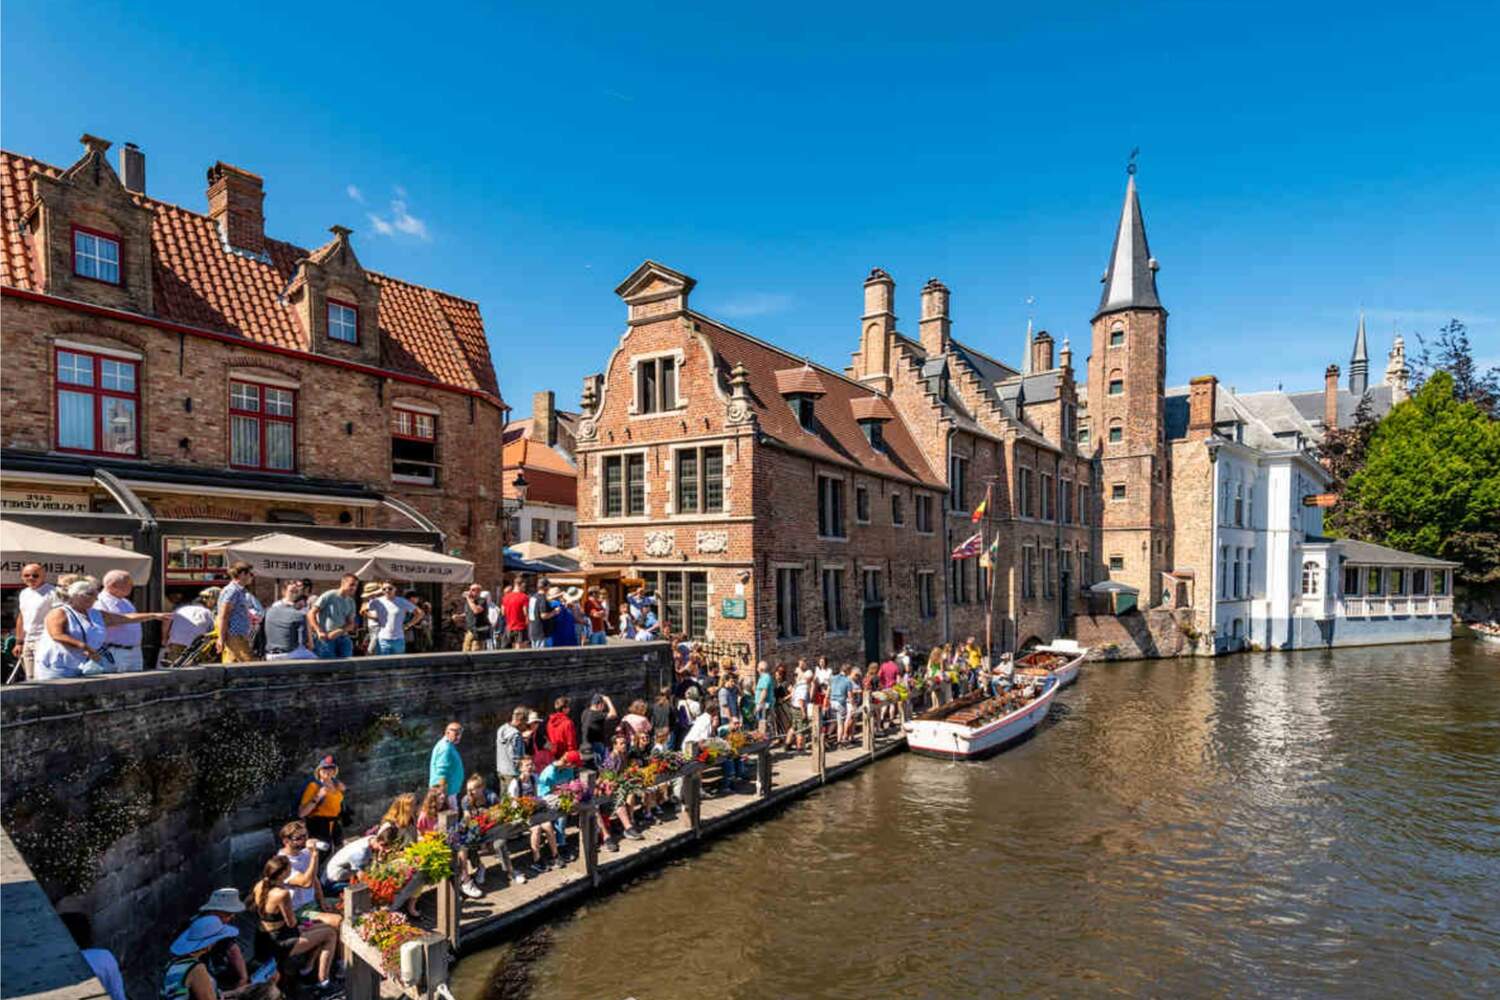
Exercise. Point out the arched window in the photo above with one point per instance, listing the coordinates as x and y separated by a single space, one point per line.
1117 337
1310 572
1116 431
1117 383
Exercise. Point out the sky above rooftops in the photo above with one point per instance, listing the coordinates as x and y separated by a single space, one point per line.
1296 163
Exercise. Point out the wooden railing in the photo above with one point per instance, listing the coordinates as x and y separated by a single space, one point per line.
363 970
1395 606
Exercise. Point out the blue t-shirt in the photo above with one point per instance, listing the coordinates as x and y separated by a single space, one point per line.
765 691
564 627
553 775
839 687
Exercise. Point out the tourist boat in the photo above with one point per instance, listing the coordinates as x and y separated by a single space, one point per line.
1061 659
978 725
1486 631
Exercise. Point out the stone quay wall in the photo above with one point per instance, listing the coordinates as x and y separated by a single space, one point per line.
1138 635
133 796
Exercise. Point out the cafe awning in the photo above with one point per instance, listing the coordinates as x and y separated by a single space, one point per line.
394 561
549 555
58 553
287 557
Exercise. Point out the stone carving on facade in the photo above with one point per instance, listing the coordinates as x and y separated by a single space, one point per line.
611 543
738 412
660 543
588 402
713 541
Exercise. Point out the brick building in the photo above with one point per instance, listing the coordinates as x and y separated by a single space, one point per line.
540 447
173 377
779 508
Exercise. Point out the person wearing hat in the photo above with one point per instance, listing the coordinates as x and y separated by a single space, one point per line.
225 961
368 593
564 622
323 802
391 615
510 745
187 976
332 621
537 747
554 775
192 618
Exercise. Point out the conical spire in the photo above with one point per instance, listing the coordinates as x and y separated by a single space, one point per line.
1130 277
1359 361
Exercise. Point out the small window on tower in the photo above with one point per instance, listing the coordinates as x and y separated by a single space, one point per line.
1117 491
1117 387
1116 338
1116 433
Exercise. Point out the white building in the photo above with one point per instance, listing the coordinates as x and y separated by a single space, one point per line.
1276 582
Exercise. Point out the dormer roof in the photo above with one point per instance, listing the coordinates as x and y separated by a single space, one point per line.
803 381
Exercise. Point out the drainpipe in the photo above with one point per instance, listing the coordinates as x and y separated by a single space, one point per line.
947 541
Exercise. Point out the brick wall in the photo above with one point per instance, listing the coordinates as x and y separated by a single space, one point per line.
1138 635
148 748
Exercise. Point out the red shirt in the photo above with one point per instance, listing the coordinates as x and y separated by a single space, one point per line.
562 736
595 611
888 674
513 604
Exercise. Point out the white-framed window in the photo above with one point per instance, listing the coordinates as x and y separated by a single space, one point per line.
541 530
565 539
1117 337
1239 561
924 513
96 255
343 321
1117 491
1439 582
788 602
1310 571
1419 583
656 384
1239 504
1116 562
700 479
624 480
1351 581
1374 581
831 508
834 617
1083 434
1397 586
926 595
1116 384
414 445
1116 432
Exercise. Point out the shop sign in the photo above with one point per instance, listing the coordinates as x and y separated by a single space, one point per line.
198 510
1320 500
732 607
42 500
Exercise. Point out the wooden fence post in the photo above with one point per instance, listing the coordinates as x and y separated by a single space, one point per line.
449 899
763 773
435 966
820 751
361 980
867 724
588 841
692 798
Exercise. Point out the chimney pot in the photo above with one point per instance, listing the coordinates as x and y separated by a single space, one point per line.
133 168
935 326
1041 352
1331 397
544 417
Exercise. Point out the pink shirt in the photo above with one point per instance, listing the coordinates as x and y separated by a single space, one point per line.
888 674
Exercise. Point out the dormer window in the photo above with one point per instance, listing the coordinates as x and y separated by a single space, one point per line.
802 406
343 321
96 256
873 434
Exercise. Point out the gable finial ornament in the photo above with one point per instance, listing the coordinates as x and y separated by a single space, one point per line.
1130 166
738 412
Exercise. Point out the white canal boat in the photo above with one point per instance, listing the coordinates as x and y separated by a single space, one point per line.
977 725
1062 659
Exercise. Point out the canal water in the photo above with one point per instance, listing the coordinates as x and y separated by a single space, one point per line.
1277 825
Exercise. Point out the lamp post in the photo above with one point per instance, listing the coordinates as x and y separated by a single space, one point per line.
511 505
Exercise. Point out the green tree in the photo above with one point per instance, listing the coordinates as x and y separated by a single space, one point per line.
1431 481
1450 351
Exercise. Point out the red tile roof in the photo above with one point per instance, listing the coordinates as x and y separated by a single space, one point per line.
550 477
872 408
802 380
200 283
836 435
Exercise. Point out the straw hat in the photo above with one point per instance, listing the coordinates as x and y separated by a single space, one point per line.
573 595
371 590
224 901
554 593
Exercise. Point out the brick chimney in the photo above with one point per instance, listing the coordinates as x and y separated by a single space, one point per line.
1203 397
1331 397
935 324
1041 352
133 168
235 202
544 418
877 326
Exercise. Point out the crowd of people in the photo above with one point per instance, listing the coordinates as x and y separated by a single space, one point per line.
97 630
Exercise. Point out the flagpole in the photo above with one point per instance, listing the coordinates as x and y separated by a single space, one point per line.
989 598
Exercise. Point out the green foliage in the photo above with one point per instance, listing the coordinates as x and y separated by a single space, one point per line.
1430 481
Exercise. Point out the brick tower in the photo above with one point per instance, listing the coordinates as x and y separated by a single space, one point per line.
1126 389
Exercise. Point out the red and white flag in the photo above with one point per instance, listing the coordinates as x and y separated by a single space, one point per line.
970 547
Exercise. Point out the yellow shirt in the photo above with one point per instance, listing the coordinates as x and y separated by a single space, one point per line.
331 805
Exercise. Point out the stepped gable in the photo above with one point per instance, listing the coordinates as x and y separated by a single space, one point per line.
836 436
200 282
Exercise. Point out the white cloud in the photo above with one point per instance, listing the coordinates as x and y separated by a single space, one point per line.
398 219
355 194
756 304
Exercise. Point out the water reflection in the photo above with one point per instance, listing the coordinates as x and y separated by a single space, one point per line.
1266 825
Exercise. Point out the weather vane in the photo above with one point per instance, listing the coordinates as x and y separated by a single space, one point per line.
1130 167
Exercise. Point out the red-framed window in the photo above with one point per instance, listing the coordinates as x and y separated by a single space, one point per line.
414 445
343 321
262 427
98 403
96 255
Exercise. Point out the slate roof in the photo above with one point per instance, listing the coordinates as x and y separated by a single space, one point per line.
1368 552
199 282
836 436
1130 275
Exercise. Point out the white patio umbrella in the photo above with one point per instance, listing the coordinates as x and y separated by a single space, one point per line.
58 553
288 557
394 561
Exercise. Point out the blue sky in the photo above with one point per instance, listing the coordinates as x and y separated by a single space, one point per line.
1297 163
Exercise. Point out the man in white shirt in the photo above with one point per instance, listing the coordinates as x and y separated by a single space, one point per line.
189 621
32 606
390 613
704 726
122 641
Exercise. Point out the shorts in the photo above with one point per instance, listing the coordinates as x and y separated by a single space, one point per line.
237 650
840 710
307 914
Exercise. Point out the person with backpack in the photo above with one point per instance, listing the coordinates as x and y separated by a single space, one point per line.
539 615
